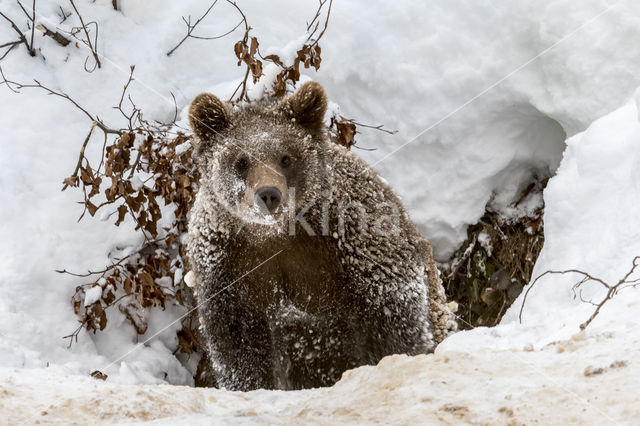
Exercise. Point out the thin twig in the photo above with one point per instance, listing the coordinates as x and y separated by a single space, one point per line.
9 49
245 38
11 43
21 35
243 85
190 28
219 36
31 17
326 23
63 95
113 265
81 155
5 81
63 14
86 32
33 23
77 331
379 127
321 3
612 290
126 86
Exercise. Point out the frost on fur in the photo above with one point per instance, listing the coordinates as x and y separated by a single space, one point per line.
305 263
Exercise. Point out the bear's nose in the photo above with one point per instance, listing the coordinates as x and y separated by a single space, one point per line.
269 196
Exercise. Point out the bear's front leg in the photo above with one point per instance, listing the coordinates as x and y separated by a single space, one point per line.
238 342
394 314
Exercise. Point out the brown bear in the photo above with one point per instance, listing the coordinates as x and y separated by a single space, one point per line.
305 262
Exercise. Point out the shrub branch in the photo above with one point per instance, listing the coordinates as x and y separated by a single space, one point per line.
612 289
191 27
22 38
92 46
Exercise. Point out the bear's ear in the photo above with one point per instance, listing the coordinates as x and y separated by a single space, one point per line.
307 106
208 115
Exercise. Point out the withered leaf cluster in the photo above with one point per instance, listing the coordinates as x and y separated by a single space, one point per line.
309 56
343 131
153 183
246 53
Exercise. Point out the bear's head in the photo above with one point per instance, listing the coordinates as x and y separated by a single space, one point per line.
263 161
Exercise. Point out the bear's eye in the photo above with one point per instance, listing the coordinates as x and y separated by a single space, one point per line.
285 161
242 164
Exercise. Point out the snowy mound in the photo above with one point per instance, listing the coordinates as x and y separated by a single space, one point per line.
591 226
578 381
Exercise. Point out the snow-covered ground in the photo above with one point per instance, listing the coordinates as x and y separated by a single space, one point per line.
484 95
576 381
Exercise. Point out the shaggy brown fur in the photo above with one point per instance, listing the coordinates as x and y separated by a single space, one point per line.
335 276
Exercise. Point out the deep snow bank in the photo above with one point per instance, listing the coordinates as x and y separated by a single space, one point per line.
408 64
591 224
444 54
576 381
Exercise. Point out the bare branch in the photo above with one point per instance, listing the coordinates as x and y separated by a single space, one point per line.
126 86
220 36
31 18
7 82
612 290
191 28
81 156
175 108
63 95
245 38
86 32
21 35
316 17
12 44
64 15
379 127
33 23
326 23
243 85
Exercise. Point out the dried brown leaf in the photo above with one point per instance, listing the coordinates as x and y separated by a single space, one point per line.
238 48
91 208
254 46
275 59
99 375
122 211
71 181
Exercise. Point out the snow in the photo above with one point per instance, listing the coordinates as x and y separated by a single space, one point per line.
590 219
190 279
590 225
92 295
477 116
485 242
575 381
137 183
439 57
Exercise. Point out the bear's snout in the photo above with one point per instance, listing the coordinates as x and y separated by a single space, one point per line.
266 188
269 197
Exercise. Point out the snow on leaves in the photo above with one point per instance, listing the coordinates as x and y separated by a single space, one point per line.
147 177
